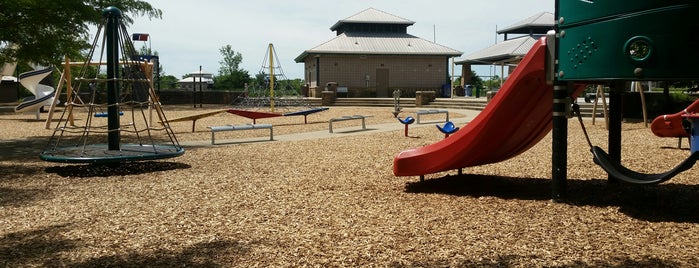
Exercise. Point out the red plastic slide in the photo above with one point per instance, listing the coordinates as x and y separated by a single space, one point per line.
517 118
670 125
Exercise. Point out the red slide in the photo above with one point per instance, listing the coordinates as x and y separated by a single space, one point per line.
517 118
670 125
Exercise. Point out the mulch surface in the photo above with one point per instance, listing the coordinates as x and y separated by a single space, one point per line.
335 202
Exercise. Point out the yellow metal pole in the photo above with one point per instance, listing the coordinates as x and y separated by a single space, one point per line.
271 77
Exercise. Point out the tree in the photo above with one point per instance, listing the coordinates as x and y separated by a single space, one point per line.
230 76
146 51
493 82
231 60
476 81
237 80
44 32
168 82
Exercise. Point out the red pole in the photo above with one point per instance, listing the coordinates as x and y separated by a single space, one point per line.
406 130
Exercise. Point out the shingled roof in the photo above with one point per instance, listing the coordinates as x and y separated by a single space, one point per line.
372 15
377 43
506 51
538 23
513 49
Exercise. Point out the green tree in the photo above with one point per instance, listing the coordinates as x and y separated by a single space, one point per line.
493 82
230 76
144 50
44 32
168 82
236 80
476 81
230 62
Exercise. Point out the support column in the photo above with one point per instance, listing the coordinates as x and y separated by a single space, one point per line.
559 159
616 107
112 35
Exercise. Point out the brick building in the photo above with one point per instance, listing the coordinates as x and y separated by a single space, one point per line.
373 54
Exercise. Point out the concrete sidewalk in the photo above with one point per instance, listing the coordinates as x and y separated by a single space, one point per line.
338 132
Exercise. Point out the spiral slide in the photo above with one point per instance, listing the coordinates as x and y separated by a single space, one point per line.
516 119
42 93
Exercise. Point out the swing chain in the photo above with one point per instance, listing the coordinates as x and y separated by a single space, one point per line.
576 110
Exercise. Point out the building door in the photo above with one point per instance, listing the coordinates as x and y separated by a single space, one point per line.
382 83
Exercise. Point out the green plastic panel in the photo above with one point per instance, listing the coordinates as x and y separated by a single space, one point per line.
578 11
639 40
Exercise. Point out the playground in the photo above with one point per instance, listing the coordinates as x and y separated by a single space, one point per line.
330 199
518 184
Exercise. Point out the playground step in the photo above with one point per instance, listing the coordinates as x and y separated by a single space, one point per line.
475 104
586 110
374 102
8 107
457 103
467 103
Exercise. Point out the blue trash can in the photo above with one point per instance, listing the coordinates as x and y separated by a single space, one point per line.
469 90
446 90
694 139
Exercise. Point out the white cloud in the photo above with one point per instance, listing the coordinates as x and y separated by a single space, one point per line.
191 32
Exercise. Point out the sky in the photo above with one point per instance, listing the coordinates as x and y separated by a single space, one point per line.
191 33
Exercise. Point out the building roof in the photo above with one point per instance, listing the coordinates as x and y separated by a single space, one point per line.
192 79
506 51
382 42
539 23
372 15
379 44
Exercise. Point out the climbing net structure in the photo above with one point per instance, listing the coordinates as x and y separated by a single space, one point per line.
274 91
119 106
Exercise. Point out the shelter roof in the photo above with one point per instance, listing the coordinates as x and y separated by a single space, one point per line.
192 79
379 44
539 23
372 15
511 50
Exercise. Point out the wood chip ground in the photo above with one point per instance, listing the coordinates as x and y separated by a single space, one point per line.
334 202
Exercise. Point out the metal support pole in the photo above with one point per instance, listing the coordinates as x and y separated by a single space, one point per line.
113 16
559 159
561 102
194 91
271 77
616 107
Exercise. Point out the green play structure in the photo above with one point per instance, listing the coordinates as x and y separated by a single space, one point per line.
614 42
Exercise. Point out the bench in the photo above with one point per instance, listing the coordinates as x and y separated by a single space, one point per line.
215 129
345 118
423 112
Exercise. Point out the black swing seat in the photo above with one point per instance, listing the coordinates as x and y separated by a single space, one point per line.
616 170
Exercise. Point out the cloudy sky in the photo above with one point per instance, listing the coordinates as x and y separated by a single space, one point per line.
191 32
